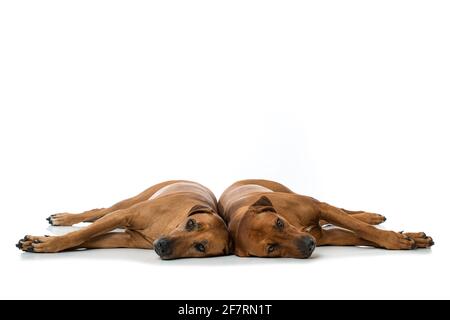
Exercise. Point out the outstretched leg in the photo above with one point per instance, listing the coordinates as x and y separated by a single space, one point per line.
335 236
95 235
381 238
127 239
367 217
68 219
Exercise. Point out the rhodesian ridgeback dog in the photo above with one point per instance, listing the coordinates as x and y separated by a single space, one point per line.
178 219
267 219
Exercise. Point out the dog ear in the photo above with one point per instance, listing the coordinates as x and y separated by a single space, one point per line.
200 209
263 204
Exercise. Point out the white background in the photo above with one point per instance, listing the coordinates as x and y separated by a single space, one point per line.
346 101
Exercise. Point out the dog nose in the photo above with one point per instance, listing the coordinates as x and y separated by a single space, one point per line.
163 247
306 245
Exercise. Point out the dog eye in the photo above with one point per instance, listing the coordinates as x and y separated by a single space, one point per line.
271 248
200 247
280 223
190 225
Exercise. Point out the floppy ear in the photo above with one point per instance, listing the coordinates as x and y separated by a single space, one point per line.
200 209
263 204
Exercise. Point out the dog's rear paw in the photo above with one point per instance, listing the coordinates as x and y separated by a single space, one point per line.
63 219
421 239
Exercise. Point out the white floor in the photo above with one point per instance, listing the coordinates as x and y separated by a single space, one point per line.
345 101
332 272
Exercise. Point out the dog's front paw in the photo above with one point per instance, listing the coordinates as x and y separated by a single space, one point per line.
421 239
398 241
40 244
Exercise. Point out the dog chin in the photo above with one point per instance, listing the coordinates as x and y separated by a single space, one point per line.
167 257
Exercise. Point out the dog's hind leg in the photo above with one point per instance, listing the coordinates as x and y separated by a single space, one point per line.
72 240
68 219
381 238
335 236
367 217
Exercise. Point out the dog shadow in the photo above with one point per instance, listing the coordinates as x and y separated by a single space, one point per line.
149 257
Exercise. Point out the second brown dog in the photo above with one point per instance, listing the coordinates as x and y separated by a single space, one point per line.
267 219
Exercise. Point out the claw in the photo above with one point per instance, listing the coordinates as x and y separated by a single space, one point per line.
19 245
401 232
25 237
414 245
30 249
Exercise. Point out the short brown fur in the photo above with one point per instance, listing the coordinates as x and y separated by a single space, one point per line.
161 211
253 209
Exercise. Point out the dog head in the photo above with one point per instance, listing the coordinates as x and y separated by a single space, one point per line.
202 234
262 232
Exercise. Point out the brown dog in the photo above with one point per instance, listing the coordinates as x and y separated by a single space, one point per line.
177 218
266 219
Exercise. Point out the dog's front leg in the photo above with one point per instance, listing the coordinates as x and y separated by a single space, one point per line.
382 238
117 219
127 239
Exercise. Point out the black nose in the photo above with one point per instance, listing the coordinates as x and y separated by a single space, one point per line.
163 247
306 245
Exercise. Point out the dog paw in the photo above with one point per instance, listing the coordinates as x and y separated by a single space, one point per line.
375 218
370 218
63 219
398 241
39 244
421 239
